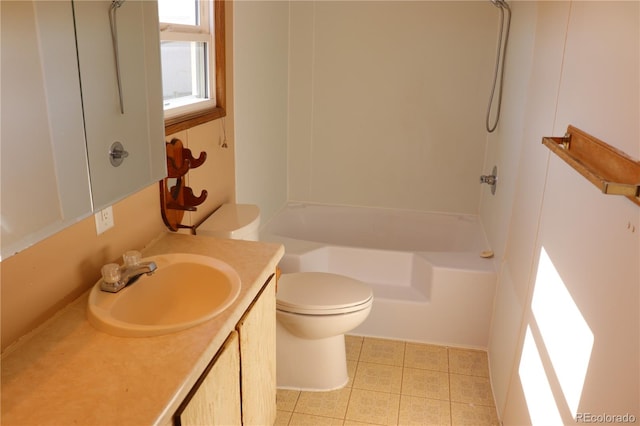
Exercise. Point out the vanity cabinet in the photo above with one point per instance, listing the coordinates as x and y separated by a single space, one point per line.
158 376
216 396
257 330
239 385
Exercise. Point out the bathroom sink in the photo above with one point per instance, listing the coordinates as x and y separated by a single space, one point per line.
184 291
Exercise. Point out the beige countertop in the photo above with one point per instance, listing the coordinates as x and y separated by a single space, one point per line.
67 372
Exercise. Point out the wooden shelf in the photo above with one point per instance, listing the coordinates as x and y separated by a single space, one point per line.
175 196
608 168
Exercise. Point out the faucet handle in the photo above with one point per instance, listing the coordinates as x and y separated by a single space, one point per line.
491 179
111 273
111 278
131 258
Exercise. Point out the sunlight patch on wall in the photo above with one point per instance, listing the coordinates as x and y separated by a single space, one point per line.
566 335
537 391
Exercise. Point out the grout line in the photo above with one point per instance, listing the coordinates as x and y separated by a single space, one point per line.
449 378
353 380
295 405
399 396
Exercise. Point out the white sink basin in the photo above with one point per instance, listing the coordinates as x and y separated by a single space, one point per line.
185 290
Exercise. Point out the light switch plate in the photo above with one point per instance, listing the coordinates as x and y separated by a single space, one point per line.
104 220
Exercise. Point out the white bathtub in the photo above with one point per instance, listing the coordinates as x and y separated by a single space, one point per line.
429 282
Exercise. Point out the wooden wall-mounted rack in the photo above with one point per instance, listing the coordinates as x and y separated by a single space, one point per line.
175 196
608 168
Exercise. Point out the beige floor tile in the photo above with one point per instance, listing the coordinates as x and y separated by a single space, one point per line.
425 383
473 415
353 345
471 389
328 404
398 383
469 362
378 377
282 418
416 411
299 419
351 372
286 399
382 351
428 357
379 408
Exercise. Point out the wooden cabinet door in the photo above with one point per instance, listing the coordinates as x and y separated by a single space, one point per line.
257 331
215 399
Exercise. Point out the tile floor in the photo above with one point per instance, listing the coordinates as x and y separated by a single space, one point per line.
399 383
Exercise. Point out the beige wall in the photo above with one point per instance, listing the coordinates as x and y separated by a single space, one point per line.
216 175
45 277
565 336
40 280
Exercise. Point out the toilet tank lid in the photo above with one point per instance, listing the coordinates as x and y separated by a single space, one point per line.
232 217
321 290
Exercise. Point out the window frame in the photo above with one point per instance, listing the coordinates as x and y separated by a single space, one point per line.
191 119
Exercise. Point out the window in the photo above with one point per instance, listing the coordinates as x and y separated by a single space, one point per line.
193 63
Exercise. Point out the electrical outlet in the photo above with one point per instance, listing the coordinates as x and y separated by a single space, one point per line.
104 220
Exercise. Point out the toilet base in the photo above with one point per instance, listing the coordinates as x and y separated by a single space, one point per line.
310 364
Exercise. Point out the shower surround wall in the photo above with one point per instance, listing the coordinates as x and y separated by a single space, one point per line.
565 339
387 102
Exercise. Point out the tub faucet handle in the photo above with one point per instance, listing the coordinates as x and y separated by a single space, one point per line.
491 179
488 179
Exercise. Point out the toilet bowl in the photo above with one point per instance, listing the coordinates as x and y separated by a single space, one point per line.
313 311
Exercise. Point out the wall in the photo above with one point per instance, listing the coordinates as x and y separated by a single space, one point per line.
504 146
45 277
387 102
261 30
565 335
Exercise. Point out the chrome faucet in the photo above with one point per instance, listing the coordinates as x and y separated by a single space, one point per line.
488 179
116 277
491 180
130 274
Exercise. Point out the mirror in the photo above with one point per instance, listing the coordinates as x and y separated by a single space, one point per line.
52 172
134 119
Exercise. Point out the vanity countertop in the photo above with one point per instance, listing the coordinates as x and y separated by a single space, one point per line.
67 372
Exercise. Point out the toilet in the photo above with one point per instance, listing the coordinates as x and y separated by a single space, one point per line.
313 311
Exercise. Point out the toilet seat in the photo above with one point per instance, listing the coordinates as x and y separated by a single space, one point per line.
321 293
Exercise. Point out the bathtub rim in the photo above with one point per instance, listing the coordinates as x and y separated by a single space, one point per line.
266 232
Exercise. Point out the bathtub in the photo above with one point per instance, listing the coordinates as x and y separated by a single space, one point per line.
430 283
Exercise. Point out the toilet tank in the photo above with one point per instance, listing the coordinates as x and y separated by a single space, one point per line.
232 221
